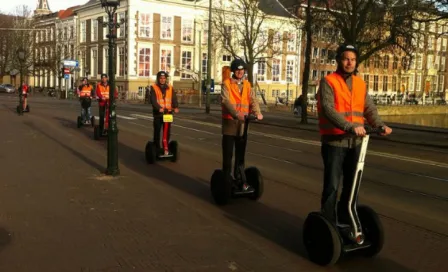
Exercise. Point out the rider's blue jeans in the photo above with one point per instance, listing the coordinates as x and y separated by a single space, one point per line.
339 162
83 113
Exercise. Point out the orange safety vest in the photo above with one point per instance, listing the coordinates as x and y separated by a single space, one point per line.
86 91
104 90
164 102
348 103
240 101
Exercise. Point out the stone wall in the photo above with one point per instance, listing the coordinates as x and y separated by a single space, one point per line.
412 110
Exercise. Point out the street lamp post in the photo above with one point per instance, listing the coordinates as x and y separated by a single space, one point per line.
209 58
21 56
112 134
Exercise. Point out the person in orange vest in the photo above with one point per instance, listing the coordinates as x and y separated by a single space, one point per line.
24 93
102 94
85 97
238 100
343 102
162 97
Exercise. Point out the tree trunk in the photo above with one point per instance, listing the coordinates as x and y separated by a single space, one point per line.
250 73
306 68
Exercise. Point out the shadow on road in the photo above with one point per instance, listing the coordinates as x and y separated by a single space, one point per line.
66 146
5 238
273 224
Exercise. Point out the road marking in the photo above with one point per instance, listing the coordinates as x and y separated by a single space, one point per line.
425 176
309 142
147 117
269 157
126 117
137 124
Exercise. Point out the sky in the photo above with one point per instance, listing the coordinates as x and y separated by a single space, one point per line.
9 6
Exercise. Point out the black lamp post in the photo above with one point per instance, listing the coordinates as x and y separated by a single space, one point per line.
21 56
112 134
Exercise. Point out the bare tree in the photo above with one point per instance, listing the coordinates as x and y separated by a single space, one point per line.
374 25
245 29
22 39
6 25
311 17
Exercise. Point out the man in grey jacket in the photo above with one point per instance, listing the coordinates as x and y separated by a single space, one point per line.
235 93
340 150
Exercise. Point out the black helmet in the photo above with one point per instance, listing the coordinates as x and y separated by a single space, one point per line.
162 73
346 47
237 64
84 78
104 75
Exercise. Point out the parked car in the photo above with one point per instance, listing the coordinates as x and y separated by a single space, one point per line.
7 88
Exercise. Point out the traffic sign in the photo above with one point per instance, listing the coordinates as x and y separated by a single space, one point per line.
71 63
66 71
66 76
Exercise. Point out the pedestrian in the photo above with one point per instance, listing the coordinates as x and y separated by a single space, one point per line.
343 103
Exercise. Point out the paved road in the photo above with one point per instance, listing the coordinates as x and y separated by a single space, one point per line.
58 213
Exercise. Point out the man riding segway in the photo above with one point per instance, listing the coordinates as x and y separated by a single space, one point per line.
85 97
23 95
343 227
164 101
102 94
239 105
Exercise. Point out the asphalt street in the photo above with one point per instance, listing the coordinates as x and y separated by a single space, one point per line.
163 218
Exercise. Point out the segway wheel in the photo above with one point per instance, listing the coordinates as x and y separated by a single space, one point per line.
173 149
27 108
18 109
96 132
255 180
221 188
79 122
150 153
322 240
372 229
92 121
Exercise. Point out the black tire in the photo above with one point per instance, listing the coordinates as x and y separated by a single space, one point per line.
27 108
322 240
18 109
150 153
79 122
255 179
372 230
96 133
92 121
220 188
174 150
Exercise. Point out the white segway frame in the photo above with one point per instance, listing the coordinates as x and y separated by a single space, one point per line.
356 229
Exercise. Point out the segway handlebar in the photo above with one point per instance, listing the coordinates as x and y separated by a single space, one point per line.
165 111
251 117
374 130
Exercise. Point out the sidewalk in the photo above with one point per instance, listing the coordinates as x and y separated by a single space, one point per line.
59 213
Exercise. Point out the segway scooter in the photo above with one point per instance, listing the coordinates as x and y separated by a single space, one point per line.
97 132
19 108
326 242
223 190
83 120
169 151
